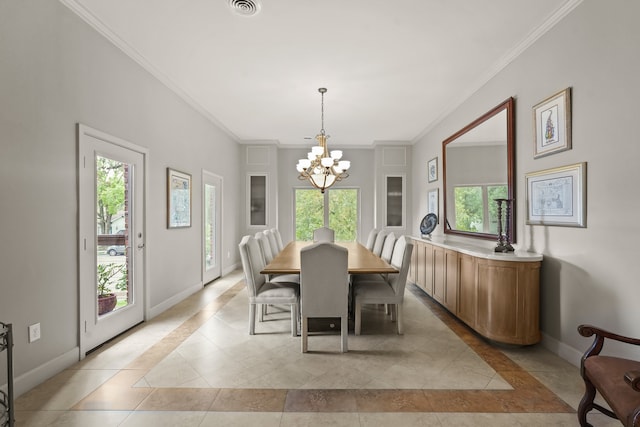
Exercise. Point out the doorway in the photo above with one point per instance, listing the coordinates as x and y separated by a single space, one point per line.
111 236
211 227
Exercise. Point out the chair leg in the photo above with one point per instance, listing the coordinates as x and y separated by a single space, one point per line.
358 315
344 333
263 311
393 312
586 404
252 319
294 320
399 315
303 334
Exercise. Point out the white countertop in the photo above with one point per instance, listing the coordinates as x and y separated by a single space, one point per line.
480 251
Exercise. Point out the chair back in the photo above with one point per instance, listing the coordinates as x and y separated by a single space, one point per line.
272 242
278 237
252 265
379 242
323 234
401 260
265 247
371 239
324 282
387 248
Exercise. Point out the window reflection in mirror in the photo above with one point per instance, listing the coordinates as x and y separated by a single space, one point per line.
478 168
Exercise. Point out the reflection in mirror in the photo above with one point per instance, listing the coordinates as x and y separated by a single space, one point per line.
478 168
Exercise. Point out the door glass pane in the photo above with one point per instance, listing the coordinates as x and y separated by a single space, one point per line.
394 201
112 229
343 214
210 226
258 200
309 213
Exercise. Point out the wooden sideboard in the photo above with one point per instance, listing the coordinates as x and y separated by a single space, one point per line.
496 294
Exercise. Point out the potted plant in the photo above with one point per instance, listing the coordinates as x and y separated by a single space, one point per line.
106 277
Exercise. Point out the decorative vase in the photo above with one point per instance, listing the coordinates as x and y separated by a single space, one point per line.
106 303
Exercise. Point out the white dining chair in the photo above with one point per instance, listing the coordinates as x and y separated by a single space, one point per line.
389 291
323 234
387 251
267 253
324 287
261 291
278 237
272 242
371 239
379 242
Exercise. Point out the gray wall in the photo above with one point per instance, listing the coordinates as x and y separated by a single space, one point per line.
589 275
56 72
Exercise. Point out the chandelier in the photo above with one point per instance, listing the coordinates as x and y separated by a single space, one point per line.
321 168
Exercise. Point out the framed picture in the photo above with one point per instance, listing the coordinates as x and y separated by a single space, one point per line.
178 199
432 202
432 169
552 124
557 196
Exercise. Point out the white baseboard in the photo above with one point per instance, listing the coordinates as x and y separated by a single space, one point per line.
230 269
38 375
168 303
564 351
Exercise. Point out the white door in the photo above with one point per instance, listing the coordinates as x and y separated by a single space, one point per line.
112 236
212 226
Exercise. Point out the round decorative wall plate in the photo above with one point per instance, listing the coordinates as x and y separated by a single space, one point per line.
428 223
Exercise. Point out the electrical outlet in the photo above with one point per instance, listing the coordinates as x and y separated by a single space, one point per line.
34 332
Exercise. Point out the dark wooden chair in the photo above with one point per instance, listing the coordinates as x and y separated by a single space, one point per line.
616 379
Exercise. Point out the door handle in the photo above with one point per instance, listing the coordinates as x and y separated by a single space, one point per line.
140 245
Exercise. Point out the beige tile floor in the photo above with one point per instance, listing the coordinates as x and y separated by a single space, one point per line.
196 365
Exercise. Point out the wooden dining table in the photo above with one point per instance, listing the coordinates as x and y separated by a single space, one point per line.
361 260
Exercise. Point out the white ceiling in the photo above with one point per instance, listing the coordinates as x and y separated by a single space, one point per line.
393 68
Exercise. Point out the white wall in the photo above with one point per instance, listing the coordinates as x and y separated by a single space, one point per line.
589 275
56 72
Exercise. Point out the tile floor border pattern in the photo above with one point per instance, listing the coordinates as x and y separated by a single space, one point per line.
119 394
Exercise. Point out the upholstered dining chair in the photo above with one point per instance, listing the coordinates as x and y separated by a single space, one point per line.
323 234
278 237
371 239
389 291
324 287
273 242
267 253
379 242
387 251
261 291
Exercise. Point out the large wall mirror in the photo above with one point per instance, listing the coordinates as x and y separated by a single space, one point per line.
478 167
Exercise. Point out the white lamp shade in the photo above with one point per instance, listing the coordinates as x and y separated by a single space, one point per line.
336 154
299 167
305 163
322 180
326 162
344 164
317 150
311 156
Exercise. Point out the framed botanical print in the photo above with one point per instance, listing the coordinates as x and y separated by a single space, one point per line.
432 170
557 196
178 199
552 124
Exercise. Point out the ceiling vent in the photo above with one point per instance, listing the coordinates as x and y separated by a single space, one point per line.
245 7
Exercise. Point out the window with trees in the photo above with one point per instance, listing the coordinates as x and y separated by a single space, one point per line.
336 208
476 209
